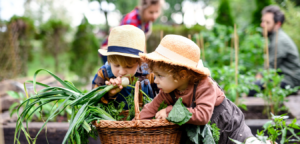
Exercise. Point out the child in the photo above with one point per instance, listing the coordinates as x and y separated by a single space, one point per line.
180 73
124 45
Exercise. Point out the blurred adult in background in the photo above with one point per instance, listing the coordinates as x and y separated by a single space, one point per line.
142 17
287 55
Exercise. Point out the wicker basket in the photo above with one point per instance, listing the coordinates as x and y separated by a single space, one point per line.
155 131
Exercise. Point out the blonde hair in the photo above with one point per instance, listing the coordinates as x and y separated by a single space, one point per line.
144 4
123 60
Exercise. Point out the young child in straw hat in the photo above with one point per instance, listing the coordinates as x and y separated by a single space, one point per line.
179 72
124 45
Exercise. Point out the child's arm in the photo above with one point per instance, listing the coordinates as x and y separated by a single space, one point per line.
150 109
101 79
205 98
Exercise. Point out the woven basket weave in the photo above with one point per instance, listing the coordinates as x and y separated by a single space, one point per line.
155 131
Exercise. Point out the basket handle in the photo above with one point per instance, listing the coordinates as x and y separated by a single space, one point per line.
136 100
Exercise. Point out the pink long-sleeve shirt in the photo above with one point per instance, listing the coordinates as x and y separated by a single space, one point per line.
207 96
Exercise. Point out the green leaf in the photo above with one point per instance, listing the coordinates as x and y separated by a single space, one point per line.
294 125
293 133
13 94
12 108
215 131
262 138
86 126
283 137
207 135
162 105
235 141
179 113
267 125
193 132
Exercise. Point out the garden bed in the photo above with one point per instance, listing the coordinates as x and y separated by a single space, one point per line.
255 109
55 133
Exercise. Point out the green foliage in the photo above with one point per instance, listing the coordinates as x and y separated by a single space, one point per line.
112 110
52 34
16 46
225 78
162 105
292 16
256 16
209 134
61 98
224 14
126 6
84 55
37 115
241 11
273 94
215 131
219 49
155 37
278 128
179 113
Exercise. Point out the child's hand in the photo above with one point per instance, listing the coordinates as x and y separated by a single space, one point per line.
162 114
117 81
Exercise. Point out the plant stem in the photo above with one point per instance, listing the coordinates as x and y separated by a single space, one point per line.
236 62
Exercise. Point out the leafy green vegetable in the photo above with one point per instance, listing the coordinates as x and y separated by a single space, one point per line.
215 131
207 134
179 113
194 133
84 108
162 105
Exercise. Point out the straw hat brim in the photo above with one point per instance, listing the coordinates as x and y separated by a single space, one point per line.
154 56
105 53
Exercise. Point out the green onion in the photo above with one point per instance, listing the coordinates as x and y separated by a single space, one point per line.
83 106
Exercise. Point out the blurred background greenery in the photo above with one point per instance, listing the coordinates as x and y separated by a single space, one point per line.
63 36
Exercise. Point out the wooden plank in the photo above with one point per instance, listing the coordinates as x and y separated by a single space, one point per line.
55 133
293 105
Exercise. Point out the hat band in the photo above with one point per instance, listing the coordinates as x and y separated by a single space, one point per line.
124 50
177 57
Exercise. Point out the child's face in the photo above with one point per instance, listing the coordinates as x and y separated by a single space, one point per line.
120 71
166 82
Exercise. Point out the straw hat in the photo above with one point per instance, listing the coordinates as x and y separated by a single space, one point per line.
125 40
180 51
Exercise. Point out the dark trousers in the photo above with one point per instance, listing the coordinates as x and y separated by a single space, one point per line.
231 122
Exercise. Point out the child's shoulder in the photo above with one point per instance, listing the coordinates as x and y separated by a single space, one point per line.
105 71
207 81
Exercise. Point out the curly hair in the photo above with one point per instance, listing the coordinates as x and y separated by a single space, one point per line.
178 72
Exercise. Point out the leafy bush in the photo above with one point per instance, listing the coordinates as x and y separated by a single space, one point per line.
225 78
219 52
260 4
83 52
272 93
155 37
52 34
292 15
224 14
